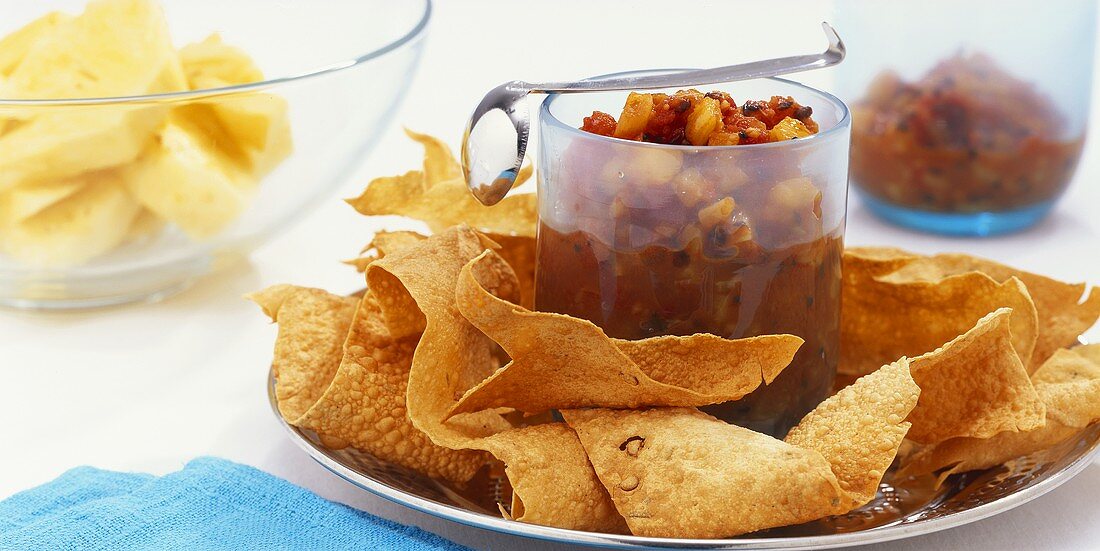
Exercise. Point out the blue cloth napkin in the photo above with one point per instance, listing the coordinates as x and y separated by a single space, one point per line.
210 504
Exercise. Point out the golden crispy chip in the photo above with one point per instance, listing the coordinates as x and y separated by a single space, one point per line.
709 364
553 483
677 472
383 243
882 321
341 375
879 260
1072 400
439 164
1061 313
364 405
859 429
517 250
439 197
1068 365
975 386
453 355
564 362
972 454
419 283
360 263
1090 351
312 327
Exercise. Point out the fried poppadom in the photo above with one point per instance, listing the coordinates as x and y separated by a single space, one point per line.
353 393
453 355
1071 396
1065 310
974 386
553 483
882 321
677 472
564 362
313 325
859 429
439 197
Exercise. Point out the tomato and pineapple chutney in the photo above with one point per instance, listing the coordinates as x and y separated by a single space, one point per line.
695 213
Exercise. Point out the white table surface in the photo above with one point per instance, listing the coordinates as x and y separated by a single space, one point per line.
148 387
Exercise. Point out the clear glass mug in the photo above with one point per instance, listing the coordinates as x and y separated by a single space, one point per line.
969 116
645 239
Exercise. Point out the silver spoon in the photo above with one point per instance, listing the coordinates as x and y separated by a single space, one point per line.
490 179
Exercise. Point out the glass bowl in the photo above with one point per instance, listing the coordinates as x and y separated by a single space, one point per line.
959 127
336 70
645 239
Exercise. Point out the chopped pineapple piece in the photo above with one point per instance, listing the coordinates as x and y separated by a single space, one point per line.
115 48
61 143
258 122
14 47
635 116
88 223
788 129
128 168
20 203
145 224
704 120
213 59
187 178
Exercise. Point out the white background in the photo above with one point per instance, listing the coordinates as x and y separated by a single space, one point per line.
148 387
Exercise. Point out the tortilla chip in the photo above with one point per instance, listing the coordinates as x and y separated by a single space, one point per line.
1072 400
975 386
553 483
677 472
312 327
439 197
882 321
564 362
1062 315
859 429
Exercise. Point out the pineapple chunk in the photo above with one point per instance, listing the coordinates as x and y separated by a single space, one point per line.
20 203
788 129
704 120
14 47
115 48
187 178
88 223
214 59
145 224
61 144
258 122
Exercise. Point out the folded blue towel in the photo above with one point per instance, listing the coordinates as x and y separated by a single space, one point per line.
210 504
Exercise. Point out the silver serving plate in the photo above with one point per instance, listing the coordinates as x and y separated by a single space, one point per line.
896 513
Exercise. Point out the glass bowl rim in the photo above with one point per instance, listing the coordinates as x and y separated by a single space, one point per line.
547 117
416 32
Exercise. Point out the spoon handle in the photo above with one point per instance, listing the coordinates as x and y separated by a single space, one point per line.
745 71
